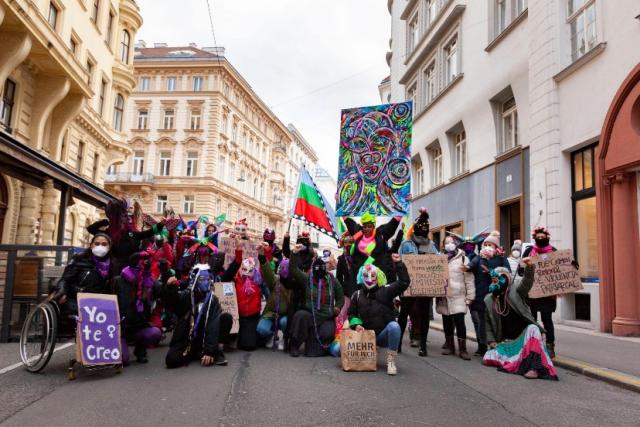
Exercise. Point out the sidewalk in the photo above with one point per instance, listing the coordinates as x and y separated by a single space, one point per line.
602 356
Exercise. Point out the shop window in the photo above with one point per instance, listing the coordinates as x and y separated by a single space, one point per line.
585 224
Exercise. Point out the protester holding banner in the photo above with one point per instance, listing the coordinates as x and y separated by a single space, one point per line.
372 307
417 242
481 266
276 308
460 294
313 323
515 339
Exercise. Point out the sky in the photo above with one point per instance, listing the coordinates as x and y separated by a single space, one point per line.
306 59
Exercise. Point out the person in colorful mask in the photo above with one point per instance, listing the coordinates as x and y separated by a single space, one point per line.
90 271
345 271
160 249
240 229
275 254
420 308
202 329
454 306
515 339
372 307
480 266
314 321
136 299
248 282
276 309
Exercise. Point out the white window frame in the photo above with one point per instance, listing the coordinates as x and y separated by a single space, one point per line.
581 41
189 204
192 163
168 120
165 163
430 84
145 84
413 33
161 203
172 83
431 10
437 172
412 95
451 53
118 112
461 157
138 162
198 83
222 168
54 15
509 122
231 174
195 119
418 177
143 119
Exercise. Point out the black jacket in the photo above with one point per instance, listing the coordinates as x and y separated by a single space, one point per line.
81 275
375 307
481 269
380 254
544 304
128 245
346 274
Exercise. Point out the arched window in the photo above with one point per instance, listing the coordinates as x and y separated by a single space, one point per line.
124 46
118 112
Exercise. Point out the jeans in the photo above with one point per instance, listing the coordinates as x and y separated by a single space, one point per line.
265 326
454 321
478 324
390 336
547 322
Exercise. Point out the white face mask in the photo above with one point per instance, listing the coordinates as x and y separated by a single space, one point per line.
100 251
515 254
450 247
487 251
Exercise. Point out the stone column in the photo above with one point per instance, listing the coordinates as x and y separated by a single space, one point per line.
28 215
50 203
625 255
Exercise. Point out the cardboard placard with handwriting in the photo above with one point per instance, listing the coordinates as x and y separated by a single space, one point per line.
555 275
229 245
429 275
358 352
226 293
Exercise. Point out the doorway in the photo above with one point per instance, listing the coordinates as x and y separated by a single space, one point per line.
4 204
510 225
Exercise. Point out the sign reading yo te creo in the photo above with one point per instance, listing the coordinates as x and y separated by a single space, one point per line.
98 330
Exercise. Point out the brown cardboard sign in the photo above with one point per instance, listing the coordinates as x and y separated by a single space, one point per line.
228 246
429 275
226 293
555 275
358 351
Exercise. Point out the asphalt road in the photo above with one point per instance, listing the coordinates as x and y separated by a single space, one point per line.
267 388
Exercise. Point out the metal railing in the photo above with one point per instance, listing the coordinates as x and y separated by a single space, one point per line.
130 177
26 272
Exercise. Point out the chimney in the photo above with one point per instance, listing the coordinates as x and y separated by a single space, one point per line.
141 44
160 45
193 45
216 50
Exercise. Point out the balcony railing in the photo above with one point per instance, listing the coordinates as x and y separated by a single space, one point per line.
130 177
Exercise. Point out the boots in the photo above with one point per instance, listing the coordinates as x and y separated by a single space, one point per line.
141 354
551 347
462 348
482 349
392 369
449 346
423 346
294 349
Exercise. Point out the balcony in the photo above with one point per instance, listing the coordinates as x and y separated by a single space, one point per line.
128 177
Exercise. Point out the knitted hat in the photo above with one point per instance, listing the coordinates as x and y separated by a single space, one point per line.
493 238
368 218
517 246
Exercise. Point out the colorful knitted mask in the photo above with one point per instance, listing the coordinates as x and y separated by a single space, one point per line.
371 276
248 267
500 278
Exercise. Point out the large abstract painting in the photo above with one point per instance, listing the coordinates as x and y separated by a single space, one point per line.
374 165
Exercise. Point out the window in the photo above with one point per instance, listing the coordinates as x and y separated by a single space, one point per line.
192 163
189 204
53 15
437 175
6 105
225 89
63 147
103 94
411 96
109 33
73 45
412 34
431 10
161 204
232 174
90 67
112 170
165 163
418 177
501 11
198 83
520 6
585 224
96 164
118 112
138 162
225 124
94 11
582 21
262 191
429 84
143 119
451 60
460 151
222 168
169 116
255 188
509 125
195 120
234 133
171 84
124 46
144 83
79 156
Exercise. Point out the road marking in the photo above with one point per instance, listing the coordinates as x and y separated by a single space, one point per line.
19 364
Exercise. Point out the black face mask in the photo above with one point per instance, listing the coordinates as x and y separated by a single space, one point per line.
319 268
159 243
541 243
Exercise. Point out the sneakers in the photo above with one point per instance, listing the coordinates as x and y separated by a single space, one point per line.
280 341
392 369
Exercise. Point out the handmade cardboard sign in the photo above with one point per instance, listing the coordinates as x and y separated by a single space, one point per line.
555 275
358 350
228 246
226 293
98 330
429 275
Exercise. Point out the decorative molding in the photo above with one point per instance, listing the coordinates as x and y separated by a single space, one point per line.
507 30
580 62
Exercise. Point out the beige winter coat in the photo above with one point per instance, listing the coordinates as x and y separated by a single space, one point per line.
460 289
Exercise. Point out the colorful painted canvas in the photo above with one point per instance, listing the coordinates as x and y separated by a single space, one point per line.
374 165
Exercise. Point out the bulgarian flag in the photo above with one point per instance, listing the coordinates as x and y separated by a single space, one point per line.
312 207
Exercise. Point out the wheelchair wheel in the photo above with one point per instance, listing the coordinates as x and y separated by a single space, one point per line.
38 338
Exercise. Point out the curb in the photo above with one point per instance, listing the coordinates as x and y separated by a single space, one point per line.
610 376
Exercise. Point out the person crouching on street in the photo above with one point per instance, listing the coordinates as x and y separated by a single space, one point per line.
372 307
275 311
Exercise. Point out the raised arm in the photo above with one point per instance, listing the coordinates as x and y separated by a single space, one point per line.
387 230
526 283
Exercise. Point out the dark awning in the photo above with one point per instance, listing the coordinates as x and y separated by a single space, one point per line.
28 165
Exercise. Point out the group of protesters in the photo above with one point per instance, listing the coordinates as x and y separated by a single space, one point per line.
293 299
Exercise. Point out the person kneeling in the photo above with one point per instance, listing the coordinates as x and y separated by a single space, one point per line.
515 339
372 307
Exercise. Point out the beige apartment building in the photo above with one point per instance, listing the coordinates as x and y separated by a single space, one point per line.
203 142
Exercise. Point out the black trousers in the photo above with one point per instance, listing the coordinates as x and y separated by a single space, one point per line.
303 331
547 322
178 355
248 334
454 322
423 305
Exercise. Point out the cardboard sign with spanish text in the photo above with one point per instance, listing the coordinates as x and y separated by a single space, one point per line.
228 246
555 275
358 351
226 293
429 275
98 330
